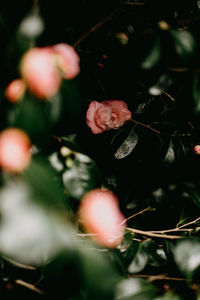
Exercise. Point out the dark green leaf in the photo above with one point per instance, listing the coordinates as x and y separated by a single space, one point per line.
139 261
135 289
127 145
81 177
168 296
30 116
99 275
156 253
196 93
187 256
154 55
47 190
170 155
29 233
163 82
184 43
194 194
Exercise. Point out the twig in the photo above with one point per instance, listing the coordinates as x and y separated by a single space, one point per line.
181 70
190 223
169 96
29 286
92 29
172 230
151 234
147 126
180 228
131 3
156 277
136 214
18 264
158 131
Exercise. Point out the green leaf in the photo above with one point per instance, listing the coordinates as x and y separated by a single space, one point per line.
135 289
42 178
194 194
70 142
169 296
81 177
196 93
139 261
136 257
99 274
170 155
156 253
30 116
29 233
127 145
54 108
154 55
163 82
187 256
185 43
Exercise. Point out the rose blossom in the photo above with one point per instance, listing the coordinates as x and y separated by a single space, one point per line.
39 71
15 90
106 115
197 149
15 147
100 215
67 60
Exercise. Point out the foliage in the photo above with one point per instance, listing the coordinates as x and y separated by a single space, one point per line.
146 53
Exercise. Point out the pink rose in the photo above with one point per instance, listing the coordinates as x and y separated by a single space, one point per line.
15 147
100 215
39 71
67 60
197 149
15 90
106 115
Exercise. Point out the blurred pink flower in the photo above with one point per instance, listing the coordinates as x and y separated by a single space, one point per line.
197 149
106 115
15 90
67 60
100 215
15 147
39 71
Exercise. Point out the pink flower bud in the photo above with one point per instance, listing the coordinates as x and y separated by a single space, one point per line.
39 71
106 115
100 215
15 90
15 153
197 149
67 60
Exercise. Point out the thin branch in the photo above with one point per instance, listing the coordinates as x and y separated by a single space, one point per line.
147 126
169 96
180 228
18 264
151 234
172 230
158 131
182 70
29 286
136 214
156 277
92 29
131 3
190 223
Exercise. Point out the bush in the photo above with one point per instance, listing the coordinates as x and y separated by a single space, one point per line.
99 150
